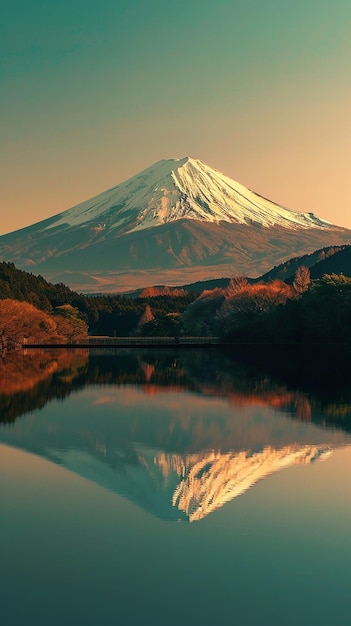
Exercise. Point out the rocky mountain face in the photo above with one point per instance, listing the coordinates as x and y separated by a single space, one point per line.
177 221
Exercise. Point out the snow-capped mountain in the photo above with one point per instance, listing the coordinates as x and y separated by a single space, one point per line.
178 189
188 487
208 481
176 453
177 215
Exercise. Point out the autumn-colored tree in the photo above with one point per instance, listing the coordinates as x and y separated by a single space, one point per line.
21 322
302 280
155 292
146 317
236 284
248 303
319 317
69 323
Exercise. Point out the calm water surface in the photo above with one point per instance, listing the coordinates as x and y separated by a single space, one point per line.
159 488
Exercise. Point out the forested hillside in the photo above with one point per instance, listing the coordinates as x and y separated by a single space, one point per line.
295 311
105 315
329 260
26 287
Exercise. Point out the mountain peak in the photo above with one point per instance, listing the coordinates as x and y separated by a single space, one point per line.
175 214
174 189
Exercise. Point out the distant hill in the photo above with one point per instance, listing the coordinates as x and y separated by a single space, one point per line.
330 260
160 290
338 263
201 285
26 287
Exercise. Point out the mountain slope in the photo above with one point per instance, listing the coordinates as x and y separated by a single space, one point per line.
330 260
179 215
176 189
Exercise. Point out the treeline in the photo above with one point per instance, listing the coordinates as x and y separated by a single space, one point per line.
305 312
26 287
123 316
104 314
319 316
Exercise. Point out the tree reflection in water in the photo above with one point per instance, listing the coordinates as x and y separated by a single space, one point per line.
178 433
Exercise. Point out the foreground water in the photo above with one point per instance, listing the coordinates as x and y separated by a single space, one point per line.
172 488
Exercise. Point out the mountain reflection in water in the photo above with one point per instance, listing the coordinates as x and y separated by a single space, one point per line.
179 434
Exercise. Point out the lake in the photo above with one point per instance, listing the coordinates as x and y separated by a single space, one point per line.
185 487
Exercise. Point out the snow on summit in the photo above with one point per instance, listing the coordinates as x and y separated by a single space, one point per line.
177 189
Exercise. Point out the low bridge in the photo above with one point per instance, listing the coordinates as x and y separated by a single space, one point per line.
132 342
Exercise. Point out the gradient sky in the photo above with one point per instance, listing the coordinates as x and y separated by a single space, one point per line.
93 92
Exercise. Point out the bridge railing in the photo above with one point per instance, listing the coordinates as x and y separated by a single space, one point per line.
153 340
101 341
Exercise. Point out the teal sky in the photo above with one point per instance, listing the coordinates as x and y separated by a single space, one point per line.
93 92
